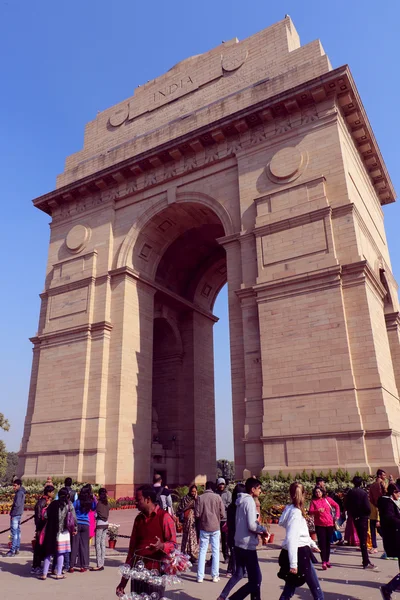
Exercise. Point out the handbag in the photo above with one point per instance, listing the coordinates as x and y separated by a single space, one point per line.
294 579
333 513
70 520
63 542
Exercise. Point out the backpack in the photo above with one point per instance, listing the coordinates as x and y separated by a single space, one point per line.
159 500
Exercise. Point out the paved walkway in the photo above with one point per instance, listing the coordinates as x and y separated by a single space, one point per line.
345 581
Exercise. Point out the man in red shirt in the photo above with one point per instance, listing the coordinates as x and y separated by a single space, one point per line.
153 539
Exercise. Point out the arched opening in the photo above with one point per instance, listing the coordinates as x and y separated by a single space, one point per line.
178 250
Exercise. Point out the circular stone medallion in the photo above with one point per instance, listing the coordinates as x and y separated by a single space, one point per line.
119 116
76 238
233 58
286 163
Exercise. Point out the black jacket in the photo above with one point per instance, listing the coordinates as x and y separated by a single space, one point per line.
389 516
357 503
39 506
19 501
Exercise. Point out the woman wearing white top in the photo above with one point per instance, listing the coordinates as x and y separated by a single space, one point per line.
296 556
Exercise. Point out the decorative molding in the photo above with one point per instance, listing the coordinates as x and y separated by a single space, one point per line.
127 272
358 273
392 321
292 222
271 113
298 285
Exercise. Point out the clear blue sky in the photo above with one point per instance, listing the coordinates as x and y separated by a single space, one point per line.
64 61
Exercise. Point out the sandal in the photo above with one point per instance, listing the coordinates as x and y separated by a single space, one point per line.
60 577
42 577
97 568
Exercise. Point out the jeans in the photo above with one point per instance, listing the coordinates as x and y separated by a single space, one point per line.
209 537
312 582
372 526
238 572
324 535
361 525
247 559
15 527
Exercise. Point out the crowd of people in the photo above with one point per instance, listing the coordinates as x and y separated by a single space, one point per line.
227 522
64 523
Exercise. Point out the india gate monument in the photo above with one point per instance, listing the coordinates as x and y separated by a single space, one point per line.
254 165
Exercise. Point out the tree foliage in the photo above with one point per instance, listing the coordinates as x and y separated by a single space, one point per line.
226 469
11 468
5 425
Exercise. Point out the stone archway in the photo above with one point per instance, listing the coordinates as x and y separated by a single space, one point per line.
262 173
176 252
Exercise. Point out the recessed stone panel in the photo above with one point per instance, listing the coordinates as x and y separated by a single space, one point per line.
297 242
69 303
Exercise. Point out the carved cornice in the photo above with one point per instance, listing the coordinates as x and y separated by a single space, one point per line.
358 273
226 137
71 334
300 284
392 321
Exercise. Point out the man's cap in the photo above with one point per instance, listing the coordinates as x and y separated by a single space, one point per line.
220 481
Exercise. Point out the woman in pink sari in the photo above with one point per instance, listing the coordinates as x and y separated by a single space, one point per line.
350 533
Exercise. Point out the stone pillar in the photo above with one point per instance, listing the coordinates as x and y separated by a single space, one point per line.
393 332
253 377
198 435
129 405
236 326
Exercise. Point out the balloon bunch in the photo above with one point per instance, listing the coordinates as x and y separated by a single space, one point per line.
135 596
179 563
154 577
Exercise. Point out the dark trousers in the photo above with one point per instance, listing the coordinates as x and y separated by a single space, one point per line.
361 525
394 584
38 554
224 542
312 582
247 559
80 547
372 526
324 535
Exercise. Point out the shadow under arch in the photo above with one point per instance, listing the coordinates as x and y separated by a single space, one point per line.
179 265
126 250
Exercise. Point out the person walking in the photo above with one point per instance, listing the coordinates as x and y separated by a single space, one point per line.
359 509
246 540
389 518
164 498
16 513
80 542
190 544
235 572
296 560
153 539
376 490
40 522
226 498
57 536
210 511
102 513
325 511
